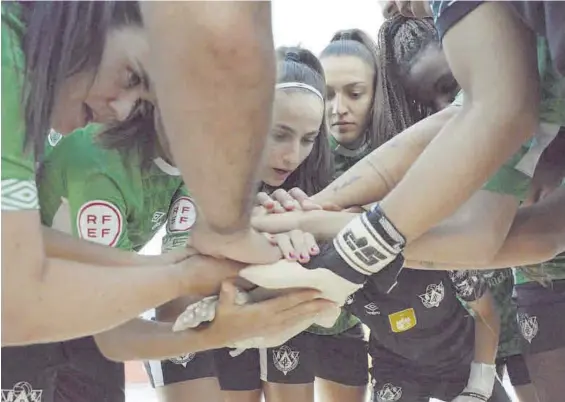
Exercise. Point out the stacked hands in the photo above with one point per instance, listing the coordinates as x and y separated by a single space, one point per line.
333 271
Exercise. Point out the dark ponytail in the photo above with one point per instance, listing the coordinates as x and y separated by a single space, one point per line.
354 42
295 64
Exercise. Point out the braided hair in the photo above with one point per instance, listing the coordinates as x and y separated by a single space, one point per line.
354 42
400 42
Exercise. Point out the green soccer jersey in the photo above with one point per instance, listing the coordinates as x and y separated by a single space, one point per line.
543 273
19 191
182 216
98 195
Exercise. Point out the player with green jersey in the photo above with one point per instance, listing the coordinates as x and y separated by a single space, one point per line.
76 36
118 191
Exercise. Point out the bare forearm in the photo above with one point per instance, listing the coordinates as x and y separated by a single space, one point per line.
471 236
497 117
68 299
379 172
325 225
63 246
215 95
537 234
141 339
71 300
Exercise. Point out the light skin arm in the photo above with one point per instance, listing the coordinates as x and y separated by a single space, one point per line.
487 329
220 86
63 246
141 339
48 300
379 172
464 238
497 117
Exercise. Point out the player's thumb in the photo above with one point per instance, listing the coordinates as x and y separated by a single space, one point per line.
228 292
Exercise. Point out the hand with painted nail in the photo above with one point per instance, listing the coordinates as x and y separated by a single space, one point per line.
295 245
280 201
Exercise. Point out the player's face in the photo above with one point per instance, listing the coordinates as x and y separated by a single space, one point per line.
430 80
110 93
297 117
350 89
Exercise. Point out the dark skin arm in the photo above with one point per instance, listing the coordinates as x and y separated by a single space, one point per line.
497 117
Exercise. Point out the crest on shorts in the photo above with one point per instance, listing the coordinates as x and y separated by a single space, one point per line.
183 360
349 301
528 326
433 296
372 309
22 392
389 393
286 359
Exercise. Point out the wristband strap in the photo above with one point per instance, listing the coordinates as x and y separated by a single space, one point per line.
369 242
474 395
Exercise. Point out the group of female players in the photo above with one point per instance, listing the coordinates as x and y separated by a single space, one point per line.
436 321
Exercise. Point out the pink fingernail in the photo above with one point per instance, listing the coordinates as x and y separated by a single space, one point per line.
291 256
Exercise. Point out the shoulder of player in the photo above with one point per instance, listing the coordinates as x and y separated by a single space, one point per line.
81 155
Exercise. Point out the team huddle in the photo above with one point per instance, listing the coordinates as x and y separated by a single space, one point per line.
383 221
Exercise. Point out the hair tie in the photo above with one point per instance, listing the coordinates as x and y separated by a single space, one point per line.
292 56
283 85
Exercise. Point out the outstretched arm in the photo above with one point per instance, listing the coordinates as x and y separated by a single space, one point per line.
213 70
497 117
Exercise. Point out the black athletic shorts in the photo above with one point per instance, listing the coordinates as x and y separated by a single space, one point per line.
540 315
339 358
191 366
72 371
516 367
399 387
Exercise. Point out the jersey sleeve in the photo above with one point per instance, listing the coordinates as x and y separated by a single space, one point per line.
19 191
98 210
469 285
448 13
180 220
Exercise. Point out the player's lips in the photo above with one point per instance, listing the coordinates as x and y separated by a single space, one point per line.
282 174
343 126
343 123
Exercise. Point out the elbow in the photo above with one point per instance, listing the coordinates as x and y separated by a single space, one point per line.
111 349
